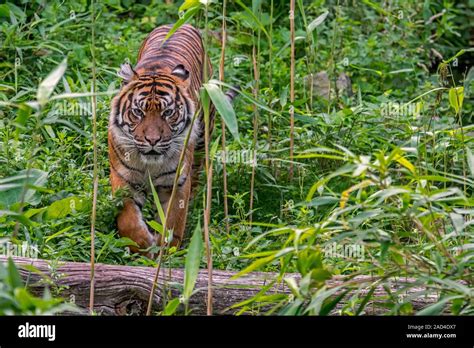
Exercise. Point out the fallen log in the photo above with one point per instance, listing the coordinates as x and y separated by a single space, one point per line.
124 290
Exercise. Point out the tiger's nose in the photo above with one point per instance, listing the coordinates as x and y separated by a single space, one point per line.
152 140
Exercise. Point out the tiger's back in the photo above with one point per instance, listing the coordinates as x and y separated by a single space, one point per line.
183 47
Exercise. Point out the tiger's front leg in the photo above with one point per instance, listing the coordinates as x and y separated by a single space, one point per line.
131 225
130 221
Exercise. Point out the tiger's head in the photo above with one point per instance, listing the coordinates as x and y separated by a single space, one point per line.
152 112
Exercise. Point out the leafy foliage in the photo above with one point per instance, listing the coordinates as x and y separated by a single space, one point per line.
16 300
384 165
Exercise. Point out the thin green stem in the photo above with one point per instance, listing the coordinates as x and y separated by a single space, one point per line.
207 210
292 85
95 170
223 138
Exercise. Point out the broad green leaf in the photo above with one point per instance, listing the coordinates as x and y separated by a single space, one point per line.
328 306
438 307
59 233
205 103
183 20
56 120
319 201
171 307
341 171
255 298
24 112
156 226
397 257
4 11
319 298
46 87
346 193
263 261
275 232
460 53
23 298
254 18
293 285
17 216
468 82
193 259
456 97
223 107
440 195
470 161
376 7
66 206
320 275
378 72
317 22
22 187
255 265
214 147
457 221
365 300
11 9
157 202
319 155
187 4
14 278
406 163
382 195
247 97
453 285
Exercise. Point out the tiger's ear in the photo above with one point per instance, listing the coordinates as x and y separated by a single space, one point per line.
127 73
181 72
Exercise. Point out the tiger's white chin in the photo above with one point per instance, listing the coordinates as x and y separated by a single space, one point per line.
153 159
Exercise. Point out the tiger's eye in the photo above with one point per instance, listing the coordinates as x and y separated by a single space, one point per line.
168 113
137 112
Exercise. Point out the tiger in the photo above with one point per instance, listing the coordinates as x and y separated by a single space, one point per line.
149 120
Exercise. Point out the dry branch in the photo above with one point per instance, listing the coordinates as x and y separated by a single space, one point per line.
124 290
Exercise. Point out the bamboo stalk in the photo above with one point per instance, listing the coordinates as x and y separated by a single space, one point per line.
223 139
458 115
270 77
292 84
255 126
95 169
207 210
332 61
256 76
